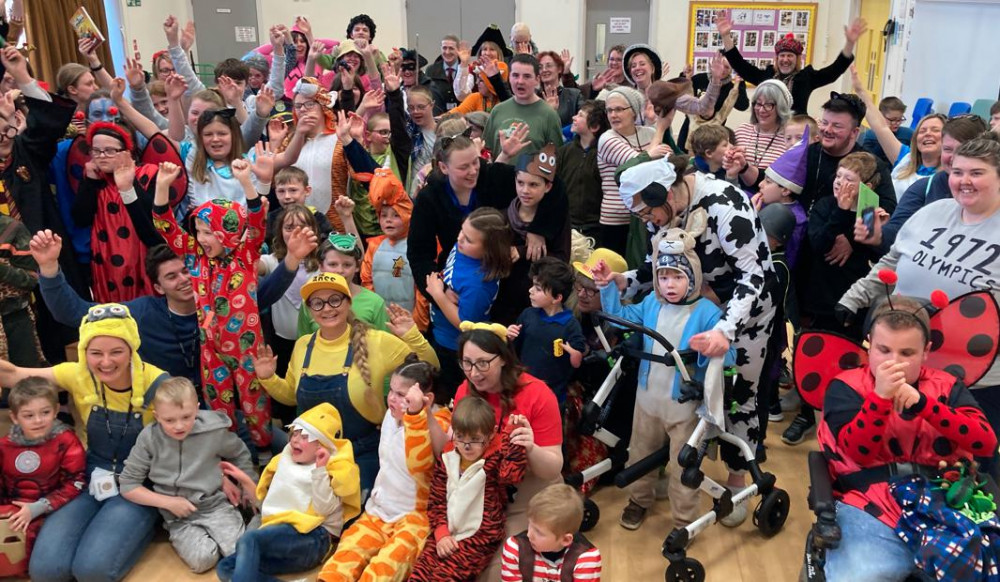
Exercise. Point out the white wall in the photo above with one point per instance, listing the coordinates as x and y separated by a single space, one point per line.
145 24
329 19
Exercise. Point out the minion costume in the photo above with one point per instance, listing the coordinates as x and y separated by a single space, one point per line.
303 507
228 318
72 537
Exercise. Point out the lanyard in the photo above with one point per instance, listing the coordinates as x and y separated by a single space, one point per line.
107 419
189 358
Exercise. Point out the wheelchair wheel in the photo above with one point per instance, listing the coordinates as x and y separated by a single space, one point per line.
771 513
686 570
591 515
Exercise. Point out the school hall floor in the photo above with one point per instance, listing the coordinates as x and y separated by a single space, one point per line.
729 555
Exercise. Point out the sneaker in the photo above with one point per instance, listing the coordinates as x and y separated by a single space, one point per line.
739 514
774 413
791 401
632 516
797 432
785 379
661 489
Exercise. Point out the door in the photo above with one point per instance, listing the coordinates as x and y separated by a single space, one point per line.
427 21
607 23
226 28
870 52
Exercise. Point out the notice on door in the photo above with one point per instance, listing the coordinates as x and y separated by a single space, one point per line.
620 25
246 34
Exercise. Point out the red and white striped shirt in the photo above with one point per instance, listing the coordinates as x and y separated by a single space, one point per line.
761 148
614 150
587 568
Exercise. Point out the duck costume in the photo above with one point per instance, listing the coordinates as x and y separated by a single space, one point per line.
228 317
385 269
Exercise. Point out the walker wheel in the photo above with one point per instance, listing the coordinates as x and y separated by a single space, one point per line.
771 513
686 570
591 515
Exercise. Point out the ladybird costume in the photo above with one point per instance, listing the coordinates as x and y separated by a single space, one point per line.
228 317
119 256
47 473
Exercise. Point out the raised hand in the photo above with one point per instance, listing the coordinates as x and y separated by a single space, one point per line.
343 205
489 66
118 89
344 128
175 86
464 52
187 36
567 60
15 62
416 400
167 173
263 163
124 171
853 31
717 68
856 82
171 28
230 91
265 364
134 74
521 435
303 25
400 320
301 242
372 101
265 102
45 249
390 78
552 96
602 273
241 170
688 71
317 48
513 142
723 23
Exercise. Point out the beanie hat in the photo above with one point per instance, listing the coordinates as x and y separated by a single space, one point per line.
639 177
778 222
541 163
783 88
674 249
788 44
255 60
112 320
789 170
322 423
635 99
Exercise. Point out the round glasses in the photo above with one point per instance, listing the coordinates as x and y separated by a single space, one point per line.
480 365
317 303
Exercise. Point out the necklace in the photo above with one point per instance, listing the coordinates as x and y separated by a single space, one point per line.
756 144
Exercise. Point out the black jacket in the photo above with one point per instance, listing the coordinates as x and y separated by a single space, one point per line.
441 88
802 84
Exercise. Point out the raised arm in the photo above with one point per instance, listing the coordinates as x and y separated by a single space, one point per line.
176 113
140 122
15 64
182 66
890 144
88 48
138 93
724 25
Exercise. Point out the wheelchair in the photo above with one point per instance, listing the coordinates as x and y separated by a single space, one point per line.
770 514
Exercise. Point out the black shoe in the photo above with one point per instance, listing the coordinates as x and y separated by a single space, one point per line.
797 432
774 413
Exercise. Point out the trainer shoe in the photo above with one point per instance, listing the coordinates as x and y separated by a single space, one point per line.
800 428
632 516
739 514
774 413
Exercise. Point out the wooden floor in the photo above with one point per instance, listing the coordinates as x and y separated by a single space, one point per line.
729 555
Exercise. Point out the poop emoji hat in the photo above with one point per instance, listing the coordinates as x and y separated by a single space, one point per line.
541 163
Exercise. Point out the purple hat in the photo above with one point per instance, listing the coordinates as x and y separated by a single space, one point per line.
789 170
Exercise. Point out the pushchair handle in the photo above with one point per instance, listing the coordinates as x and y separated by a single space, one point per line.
679 358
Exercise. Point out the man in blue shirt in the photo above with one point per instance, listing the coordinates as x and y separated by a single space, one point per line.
894 112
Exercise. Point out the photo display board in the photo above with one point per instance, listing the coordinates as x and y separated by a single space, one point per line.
757 27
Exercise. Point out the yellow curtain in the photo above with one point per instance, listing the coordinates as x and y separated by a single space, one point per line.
49 31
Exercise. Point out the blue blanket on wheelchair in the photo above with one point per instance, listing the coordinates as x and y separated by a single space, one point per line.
946 544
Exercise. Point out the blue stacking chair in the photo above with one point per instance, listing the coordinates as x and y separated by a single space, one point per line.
959 108
982 108
923 107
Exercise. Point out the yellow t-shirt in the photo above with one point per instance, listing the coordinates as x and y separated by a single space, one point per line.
85 393
385 353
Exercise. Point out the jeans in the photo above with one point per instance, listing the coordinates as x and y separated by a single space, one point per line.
275 549
92 540
869 550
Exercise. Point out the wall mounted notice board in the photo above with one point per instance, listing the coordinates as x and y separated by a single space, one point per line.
757 27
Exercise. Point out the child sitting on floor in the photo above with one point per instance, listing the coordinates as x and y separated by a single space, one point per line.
42 461
469 495
388 537
677 312
187 482
552 547
305 495
547 338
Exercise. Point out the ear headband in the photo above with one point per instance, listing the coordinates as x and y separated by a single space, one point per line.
495 328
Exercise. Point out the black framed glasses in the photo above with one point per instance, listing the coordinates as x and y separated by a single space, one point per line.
469 444
104 153
585 291
317 303
765 107
481 365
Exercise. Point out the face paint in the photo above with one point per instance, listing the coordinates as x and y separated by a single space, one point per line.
101 110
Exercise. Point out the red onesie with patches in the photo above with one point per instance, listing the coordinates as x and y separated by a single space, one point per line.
228 318
52 470
860 429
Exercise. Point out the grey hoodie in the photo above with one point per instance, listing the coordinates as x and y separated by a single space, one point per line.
188 468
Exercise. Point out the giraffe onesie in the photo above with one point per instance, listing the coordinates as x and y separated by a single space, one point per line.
384 542
228 319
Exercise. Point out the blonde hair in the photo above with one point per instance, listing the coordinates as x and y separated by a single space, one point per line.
176 390
916 158
559 508
359 343
68 76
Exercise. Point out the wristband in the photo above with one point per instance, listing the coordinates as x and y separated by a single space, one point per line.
94 69
129 196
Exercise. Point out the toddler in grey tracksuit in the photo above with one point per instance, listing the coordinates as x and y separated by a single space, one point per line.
180 454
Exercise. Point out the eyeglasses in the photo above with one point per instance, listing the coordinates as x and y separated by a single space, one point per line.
317 304
383 132
305 106
9 133
581 290
104 153
469 444
616 110
765 107
164 71
417 107
480 365
895 120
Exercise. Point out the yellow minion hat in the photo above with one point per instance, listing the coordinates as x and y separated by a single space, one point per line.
615 262
322 423
112 320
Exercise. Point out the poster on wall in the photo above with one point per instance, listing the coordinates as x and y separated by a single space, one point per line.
757 28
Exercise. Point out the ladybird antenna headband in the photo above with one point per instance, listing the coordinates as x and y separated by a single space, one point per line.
938 300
